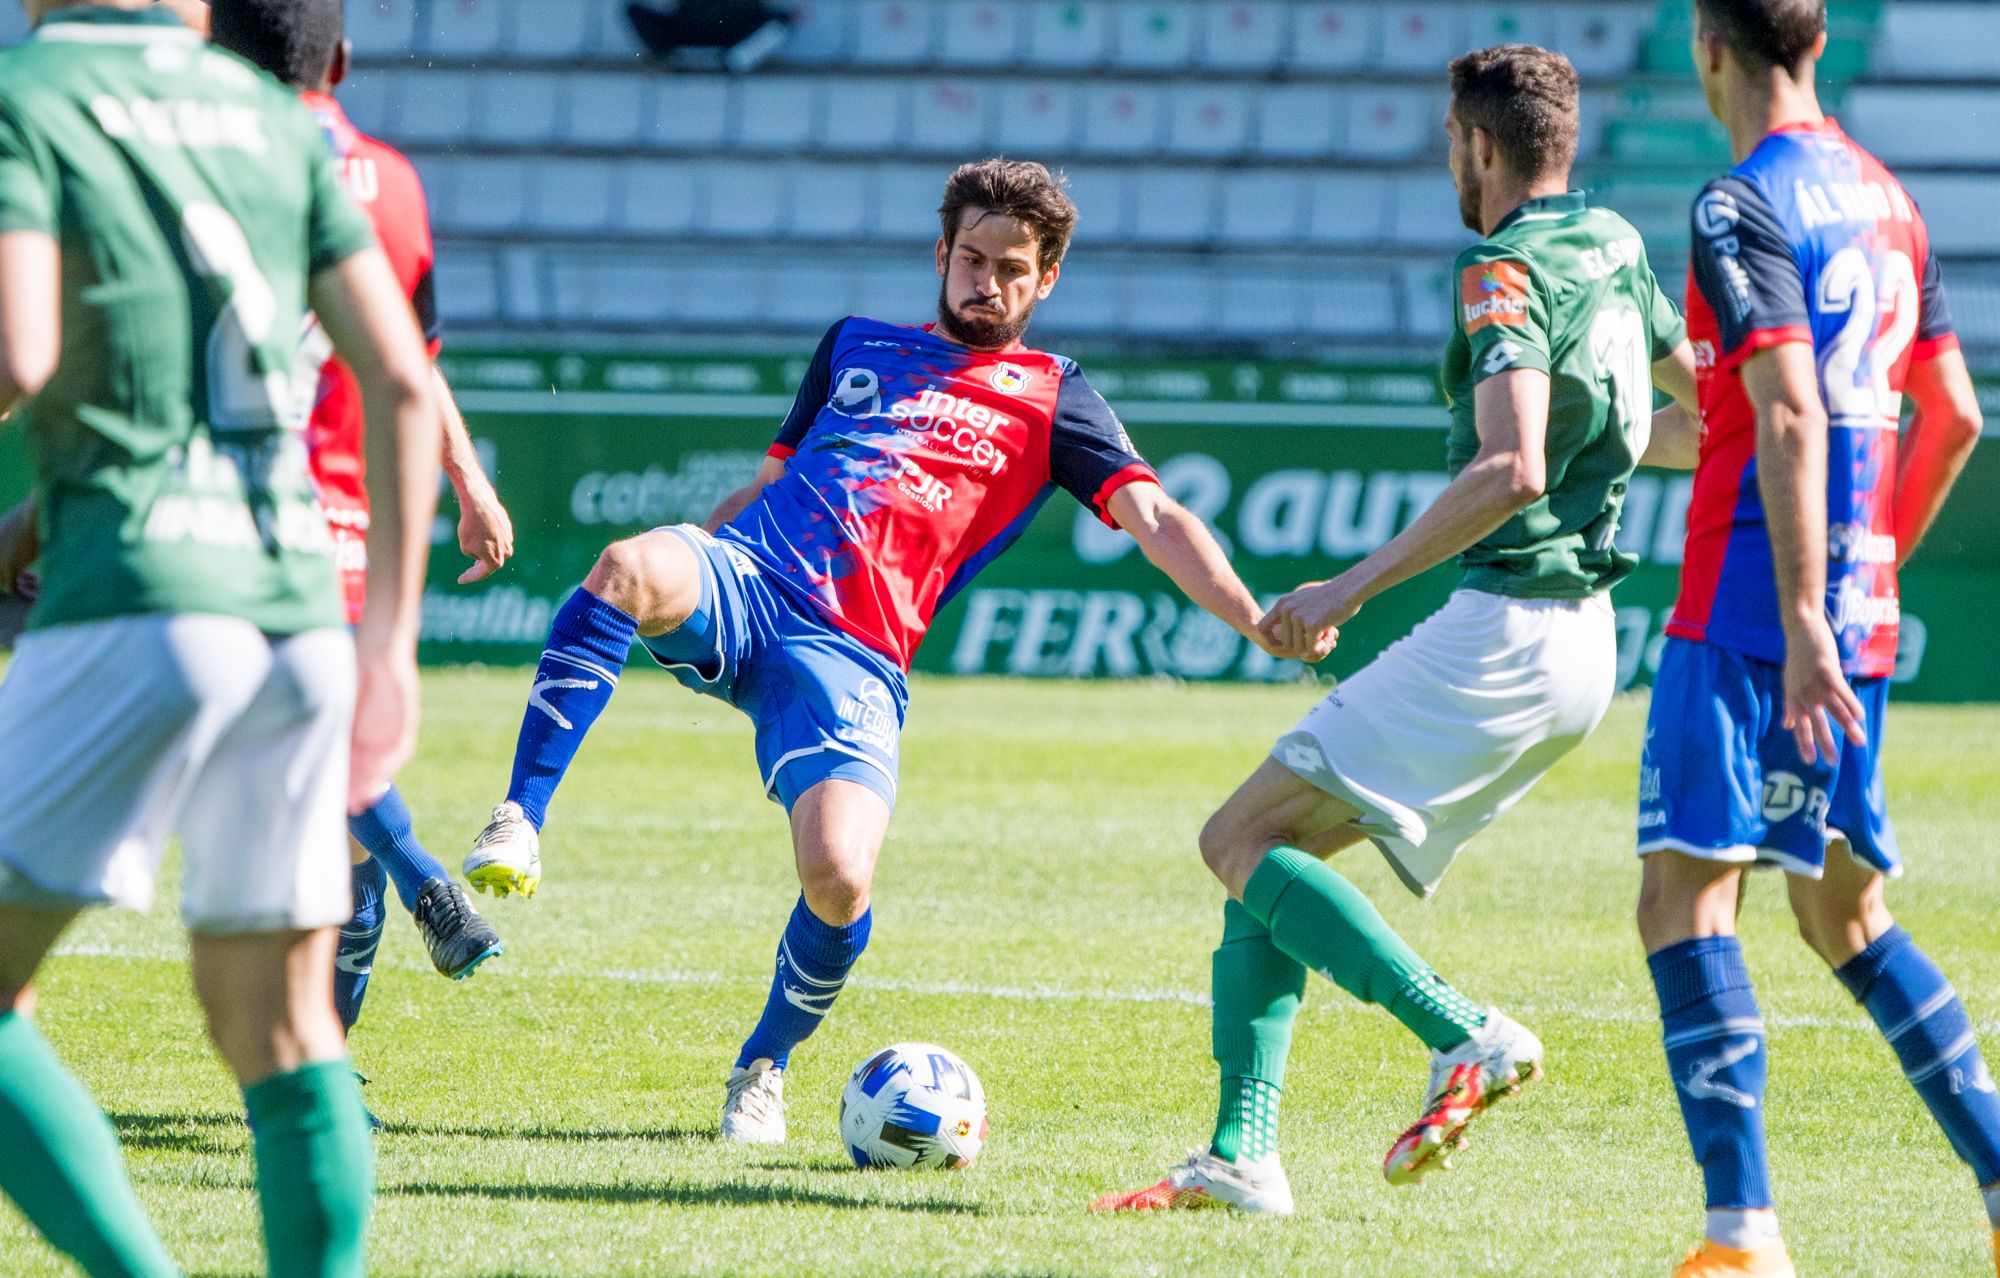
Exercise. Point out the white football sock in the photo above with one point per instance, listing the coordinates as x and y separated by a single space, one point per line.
1743 1228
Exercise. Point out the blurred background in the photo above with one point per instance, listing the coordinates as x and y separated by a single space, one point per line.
640 244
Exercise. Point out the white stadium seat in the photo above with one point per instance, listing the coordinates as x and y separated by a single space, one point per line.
466 28
369 99
1069 33
705 290
523 280
1601 40
1155 35
1089 298
1938 41
1348 208
1301 121
378 28
468 288
1122 119
594 289
1243 35
1334 37
1351 305
606 109
830 201
1491 24
906 201
894 33
1208 120
659 197
744 200
1424 212
812 295
517 109
1174 206
571 197
949 116
1170 299
1263 303
1037 118
980 33
1104 205
1926 126
1421 37
866 116
688 112
611 34
1394 123
488 196
1428 296
435 106
819 33
899 290
550 32
775 113
1958 209
1262 209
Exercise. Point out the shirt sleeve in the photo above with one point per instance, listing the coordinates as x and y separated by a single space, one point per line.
1935 332
1090 455
27 177
1745 269
336 229
1503 312
814 390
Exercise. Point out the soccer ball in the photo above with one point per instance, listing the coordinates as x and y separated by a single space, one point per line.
913 1105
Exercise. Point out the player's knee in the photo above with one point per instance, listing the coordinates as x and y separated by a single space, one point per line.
1223 849
641 576
836 885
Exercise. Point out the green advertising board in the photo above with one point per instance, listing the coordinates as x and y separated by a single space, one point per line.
1301 469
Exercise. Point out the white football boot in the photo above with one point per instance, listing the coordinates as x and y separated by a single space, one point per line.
753 1104
507 855
1498 1060
1258 1187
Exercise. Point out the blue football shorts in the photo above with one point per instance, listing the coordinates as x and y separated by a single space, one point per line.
825 705
1722 779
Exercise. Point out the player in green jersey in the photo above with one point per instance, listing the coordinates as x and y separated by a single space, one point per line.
1561 332
167 213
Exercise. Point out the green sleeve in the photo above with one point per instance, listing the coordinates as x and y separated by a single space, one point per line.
1663 318
27 177
338 230
1503 311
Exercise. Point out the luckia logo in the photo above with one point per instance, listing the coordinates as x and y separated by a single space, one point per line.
1010 379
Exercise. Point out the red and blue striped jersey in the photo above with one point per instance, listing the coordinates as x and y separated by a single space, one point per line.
911 462
1810 239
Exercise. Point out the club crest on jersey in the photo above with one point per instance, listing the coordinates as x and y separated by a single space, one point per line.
1010 379
1493 293
857 392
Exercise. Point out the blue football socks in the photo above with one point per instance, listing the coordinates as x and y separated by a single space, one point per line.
1919 1013
813 961
354 958
588 642
390 835
1716 1054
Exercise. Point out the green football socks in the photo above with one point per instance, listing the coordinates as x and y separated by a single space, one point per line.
1256 989
1323 921
61 1163
315 1170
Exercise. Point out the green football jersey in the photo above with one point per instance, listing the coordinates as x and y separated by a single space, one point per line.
191 197
1564 288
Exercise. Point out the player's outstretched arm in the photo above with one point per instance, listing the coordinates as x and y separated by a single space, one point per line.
1934 449
364 312
768 472
1180 545
1783 385
30 314
1675 442
1509 473
485 530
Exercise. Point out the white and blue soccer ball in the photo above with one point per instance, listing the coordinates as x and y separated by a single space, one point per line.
913 1105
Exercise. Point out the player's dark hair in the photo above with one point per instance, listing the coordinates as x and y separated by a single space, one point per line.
294 40
1766 33
1020 189
1526 98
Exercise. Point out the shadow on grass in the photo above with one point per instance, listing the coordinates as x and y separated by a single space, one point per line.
724 1194
394 1127
207 1133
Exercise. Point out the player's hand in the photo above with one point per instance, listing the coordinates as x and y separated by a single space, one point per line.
385 722
485 532
1308 620
1817 695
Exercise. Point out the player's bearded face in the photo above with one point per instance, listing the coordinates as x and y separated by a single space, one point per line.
1464 175
991 280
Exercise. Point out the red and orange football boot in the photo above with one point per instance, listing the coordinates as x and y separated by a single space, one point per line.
1204 1180
1713 1260
1498 1060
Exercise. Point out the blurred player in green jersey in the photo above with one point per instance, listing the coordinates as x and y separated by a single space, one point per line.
1559 336
167 214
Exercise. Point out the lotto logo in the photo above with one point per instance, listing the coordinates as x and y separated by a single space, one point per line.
1493 293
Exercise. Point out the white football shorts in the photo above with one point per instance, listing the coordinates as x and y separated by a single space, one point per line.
1454 722
116 733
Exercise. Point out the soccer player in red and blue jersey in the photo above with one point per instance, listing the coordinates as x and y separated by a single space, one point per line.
911 458
1815 305
300 42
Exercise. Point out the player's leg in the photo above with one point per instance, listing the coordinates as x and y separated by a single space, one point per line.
265 886
1701 819
647 585
360 937
456 937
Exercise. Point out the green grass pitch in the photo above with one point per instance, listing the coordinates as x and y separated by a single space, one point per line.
1041 911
